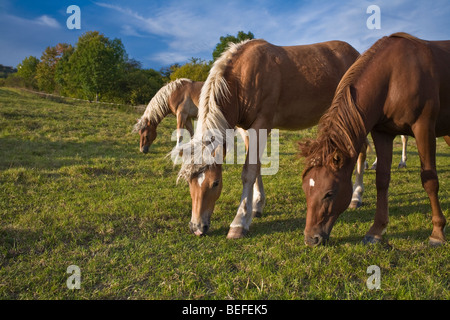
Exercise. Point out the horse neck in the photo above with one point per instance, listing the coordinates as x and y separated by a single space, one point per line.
194 94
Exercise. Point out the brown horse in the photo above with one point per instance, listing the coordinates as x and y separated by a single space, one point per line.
259 86
179 97
401 85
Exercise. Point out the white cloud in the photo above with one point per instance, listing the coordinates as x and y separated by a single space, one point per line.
192 28
47 21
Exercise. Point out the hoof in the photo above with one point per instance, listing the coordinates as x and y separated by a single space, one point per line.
401 165
436 242
368 239
257 214
355 204
236 233
373 167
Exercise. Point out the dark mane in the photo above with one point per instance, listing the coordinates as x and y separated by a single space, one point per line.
342 125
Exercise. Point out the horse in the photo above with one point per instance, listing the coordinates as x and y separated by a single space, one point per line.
401 85
257 85
179 97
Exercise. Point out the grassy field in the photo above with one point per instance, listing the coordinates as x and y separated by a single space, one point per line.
74 190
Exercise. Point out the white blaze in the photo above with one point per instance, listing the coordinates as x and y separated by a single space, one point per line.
201 178
311 182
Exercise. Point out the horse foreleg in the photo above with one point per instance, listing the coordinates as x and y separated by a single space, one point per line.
259 197
181 124
241 223
251 173
402 163
426 146
383 146
189 126
358 187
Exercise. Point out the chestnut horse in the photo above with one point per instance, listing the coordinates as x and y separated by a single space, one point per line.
401 85
260 86
179 97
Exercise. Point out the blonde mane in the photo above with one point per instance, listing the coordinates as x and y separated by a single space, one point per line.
214 92
158 107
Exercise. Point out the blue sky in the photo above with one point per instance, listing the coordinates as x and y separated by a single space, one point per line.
159 33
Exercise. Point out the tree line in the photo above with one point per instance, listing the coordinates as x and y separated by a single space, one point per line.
98 68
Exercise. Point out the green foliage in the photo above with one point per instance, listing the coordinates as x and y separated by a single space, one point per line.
45 70
6 70
14 80
196 70
63 74
96 64
137 86
27 71
224 41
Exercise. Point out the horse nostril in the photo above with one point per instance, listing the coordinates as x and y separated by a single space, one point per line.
317 239
314 241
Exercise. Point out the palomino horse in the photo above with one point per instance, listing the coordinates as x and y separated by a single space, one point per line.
260 86
401 85
179 97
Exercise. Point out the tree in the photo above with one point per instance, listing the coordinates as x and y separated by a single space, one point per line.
224 41
196 70
166 72
45 71
137 86
63 74
27 71
97 64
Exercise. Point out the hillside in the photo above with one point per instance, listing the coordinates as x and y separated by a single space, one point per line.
74 190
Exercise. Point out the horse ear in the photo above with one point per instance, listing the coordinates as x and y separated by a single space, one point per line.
337 160
304 146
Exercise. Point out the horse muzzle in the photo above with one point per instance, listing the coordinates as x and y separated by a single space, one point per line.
199 229
316 240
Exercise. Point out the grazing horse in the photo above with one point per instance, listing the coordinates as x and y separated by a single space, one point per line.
401 85
257 85
179 97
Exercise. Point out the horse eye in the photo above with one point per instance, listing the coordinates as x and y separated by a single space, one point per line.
328 195
215 183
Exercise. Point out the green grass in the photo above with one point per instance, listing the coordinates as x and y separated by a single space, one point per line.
74 190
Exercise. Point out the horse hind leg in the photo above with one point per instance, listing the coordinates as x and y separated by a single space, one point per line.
426 146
